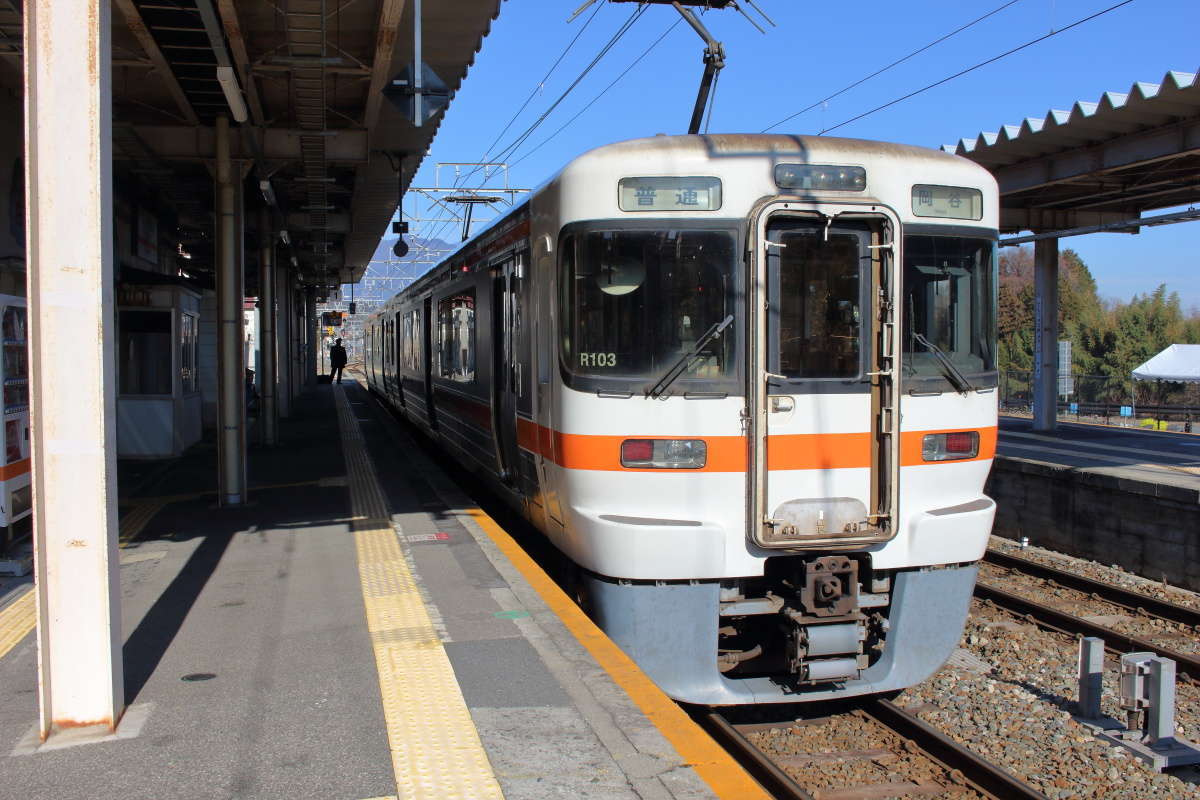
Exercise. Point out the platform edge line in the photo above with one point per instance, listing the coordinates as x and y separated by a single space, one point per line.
712 763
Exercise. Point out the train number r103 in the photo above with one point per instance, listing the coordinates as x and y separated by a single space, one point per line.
597 359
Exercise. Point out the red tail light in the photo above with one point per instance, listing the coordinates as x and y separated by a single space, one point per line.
637 450
960 442
950 446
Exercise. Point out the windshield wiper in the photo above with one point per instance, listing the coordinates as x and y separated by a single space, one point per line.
956 378
680 366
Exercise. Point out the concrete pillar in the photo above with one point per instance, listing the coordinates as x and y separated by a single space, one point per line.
283 338
68 135
314 335
266 325
231 371
1045 337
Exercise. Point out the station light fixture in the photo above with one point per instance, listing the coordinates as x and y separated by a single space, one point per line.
268 193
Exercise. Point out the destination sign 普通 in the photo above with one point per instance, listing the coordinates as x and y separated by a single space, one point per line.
950 202
669 194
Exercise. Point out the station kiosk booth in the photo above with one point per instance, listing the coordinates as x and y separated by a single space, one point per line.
158 353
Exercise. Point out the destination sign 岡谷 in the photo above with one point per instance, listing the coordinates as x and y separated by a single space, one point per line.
951 202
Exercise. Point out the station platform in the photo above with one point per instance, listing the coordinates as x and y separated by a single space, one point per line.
359 629
1129 456
1119 496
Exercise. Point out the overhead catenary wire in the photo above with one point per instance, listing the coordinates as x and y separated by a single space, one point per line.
540 84
981 64
895 63
458 180
616 37
601 94
519 140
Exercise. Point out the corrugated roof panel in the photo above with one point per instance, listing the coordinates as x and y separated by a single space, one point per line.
1145 105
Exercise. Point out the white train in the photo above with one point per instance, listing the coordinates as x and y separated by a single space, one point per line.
747 383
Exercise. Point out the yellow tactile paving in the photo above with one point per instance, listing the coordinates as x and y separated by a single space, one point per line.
436 752
20 616
131 524
16 621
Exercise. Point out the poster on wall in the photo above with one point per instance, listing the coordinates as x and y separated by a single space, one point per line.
147 236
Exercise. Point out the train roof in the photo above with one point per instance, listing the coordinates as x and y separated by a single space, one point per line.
692 148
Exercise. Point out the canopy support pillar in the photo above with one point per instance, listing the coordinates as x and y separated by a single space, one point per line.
1045 338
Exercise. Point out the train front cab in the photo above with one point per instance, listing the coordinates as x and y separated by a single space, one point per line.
870 383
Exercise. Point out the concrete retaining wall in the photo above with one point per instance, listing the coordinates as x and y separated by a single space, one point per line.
1149 528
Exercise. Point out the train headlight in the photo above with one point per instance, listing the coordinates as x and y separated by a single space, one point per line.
664 453
820 177
950 446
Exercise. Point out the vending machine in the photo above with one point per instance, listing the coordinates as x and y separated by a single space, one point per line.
16 501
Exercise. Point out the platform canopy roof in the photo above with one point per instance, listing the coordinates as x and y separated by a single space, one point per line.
1179 362
311 75
1099 163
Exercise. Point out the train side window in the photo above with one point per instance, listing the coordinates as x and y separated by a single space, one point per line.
456 336
411 348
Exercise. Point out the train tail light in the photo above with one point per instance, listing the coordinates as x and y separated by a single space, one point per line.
664 453
950 446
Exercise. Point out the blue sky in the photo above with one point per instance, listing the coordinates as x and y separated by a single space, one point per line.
817 50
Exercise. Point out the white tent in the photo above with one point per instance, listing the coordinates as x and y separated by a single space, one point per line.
1179 362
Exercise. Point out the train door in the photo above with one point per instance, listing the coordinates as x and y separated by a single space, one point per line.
506 367
427 359
543 283
823 419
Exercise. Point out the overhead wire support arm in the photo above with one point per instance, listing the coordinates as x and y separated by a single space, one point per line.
714 61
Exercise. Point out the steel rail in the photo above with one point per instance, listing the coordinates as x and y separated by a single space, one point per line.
1105 591
1186 665
962 764
756 762
976 770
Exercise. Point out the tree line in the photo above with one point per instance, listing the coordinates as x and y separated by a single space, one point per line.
1109 338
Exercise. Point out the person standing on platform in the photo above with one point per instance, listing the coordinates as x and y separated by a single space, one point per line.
337 360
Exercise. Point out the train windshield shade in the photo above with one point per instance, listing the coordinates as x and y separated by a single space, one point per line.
950 303
634 301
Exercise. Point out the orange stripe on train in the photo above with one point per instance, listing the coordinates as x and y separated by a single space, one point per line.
728 453
798 451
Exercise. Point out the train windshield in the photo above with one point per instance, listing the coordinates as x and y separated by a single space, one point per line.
634 302
949 313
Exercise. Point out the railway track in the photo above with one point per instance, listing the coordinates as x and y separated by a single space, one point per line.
963 772
1187 665
1134 601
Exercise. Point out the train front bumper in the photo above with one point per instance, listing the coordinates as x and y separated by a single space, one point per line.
670 630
